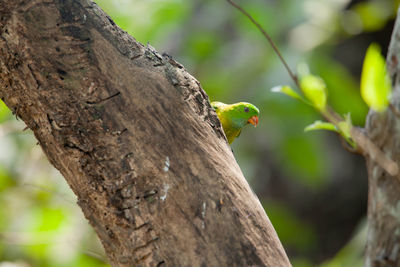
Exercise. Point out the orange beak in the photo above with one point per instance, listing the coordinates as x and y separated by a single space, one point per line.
253 120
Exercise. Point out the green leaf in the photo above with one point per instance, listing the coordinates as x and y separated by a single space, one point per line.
345 130
290 228
287 90
314 89
375 82
321 125
5 112
345 126
344 89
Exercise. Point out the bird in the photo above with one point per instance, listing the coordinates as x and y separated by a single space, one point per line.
235 116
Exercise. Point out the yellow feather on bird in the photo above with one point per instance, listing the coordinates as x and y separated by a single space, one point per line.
234 117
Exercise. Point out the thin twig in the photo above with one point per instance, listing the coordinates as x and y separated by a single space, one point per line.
268 37
374 152
348 147
365 145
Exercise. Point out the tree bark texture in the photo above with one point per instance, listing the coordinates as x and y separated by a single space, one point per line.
383 242
134 136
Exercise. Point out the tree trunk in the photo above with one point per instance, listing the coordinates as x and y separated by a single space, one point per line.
134 136
383 242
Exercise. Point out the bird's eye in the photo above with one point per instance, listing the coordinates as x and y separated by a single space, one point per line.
246 109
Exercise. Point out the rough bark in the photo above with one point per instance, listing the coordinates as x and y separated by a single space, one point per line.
383 243
134 136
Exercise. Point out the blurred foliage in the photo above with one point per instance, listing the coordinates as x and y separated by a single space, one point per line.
40 224
353 253
288 225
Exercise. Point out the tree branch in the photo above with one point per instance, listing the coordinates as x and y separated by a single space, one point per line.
134 136
383 242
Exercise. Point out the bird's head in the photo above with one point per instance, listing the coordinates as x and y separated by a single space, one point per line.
245 113
240 114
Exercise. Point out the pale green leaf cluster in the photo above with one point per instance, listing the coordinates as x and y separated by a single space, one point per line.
313 88
343 128
375 90
315 94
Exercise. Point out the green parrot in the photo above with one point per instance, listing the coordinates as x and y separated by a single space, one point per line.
234 117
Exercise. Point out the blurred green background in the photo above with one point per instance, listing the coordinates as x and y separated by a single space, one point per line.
314 192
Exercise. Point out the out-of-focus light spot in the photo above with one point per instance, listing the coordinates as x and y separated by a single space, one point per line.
351 22
321 24
318 10
373 14
307 36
